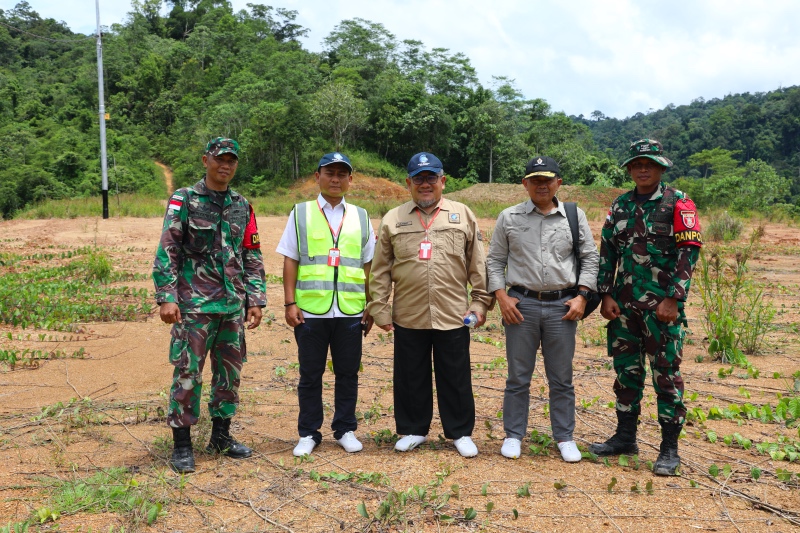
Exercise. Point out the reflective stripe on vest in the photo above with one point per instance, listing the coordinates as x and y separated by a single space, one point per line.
317 283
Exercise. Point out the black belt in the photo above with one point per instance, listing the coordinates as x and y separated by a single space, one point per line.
544 295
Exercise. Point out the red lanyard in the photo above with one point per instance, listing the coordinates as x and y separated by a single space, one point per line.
426 228
335 234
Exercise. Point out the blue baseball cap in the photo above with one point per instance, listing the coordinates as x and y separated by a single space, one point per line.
334 157
424 161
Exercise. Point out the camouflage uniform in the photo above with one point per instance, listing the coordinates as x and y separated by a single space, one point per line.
205 266
655 262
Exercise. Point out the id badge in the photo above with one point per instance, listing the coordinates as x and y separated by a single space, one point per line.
333 257
425 249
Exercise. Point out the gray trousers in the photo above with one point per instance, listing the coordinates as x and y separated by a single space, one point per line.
543 326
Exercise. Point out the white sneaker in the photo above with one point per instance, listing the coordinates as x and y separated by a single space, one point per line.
466 447
350 443
409 442
511 448
569 451
304 446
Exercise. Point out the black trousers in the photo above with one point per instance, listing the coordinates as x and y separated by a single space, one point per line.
413 393
343 336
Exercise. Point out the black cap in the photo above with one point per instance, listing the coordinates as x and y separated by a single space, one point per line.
542 166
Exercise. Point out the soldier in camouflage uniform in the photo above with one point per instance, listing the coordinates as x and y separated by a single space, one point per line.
209 278
651 241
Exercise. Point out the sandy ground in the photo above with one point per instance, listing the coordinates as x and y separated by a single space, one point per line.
126 375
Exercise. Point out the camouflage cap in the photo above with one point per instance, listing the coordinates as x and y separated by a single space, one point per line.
222 145
649 148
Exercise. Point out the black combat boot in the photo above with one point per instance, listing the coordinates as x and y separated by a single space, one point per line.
182 460
668 461
222 442
621 442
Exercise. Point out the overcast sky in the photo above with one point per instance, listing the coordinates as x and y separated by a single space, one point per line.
616 56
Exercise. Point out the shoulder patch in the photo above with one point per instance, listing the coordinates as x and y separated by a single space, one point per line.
686 224
251 239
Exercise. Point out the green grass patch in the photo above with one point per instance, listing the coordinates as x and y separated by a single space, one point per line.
279 201
77 291
115 490
122 205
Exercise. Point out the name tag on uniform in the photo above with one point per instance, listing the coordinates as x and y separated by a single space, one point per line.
425 249
333 257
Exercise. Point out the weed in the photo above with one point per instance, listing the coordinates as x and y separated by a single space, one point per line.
541 443
114 490
16 527
58 297
724 228
383 436
737 317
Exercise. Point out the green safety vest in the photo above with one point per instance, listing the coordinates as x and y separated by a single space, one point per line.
317 283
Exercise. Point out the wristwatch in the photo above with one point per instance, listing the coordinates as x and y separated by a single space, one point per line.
585 294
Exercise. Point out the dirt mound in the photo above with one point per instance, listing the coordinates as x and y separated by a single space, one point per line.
514 193
363 186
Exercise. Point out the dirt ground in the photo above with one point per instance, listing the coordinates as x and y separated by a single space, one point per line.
126 375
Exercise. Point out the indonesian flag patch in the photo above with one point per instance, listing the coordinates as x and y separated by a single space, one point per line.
175 203
686 224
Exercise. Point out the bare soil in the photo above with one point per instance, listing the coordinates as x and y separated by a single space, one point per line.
126 375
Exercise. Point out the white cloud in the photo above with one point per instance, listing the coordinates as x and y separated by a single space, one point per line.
618 56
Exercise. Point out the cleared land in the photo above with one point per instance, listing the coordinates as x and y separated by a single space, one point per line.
68 418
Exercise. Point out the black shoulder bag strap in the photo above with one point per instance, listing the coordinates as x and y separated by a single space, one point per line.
571 209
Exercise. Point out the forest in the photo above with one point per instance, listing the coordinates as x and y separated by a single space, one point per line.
174 81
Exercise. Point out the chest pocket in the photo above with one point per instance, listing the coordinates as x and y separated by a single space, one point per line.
454 242
406 245
202 232
561 241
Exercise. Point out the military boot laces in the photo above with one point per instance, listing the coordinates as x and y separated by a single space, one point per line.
623 441
221 441
182 460
668 461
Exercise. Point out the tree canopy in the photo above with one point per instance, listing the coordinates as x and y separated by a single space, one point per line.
173 82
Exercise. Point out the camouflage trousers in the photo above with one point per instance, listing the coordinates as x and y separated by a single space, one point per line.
638 334
198 334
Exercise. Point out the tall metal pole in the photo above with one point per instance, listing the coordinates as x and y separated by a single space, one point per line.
103 157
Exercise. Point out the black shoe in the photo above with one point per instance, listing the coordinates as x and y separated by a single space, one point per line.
668 461
182 460
623 442
221 441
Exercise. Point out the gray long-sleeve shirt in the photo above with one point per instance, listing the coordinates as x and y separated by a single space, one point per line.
534 251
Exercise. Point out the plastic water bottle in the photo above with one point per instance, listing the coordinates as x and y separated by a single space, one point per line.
471 320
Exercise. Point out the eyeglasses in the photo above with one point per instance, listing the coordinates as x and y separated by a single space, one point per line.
430 178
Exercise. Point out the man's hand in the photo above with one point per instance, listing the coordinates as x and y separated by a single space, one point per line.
508 306
667 310
294 316
253 317
576 307
387 327
366 322
609 308
170 313
481 318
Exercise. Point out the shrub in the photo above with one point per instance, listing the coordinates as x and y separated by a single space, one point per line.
723 228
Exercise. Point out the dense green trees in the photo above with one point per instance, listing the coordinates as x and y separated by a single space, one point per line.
173 82
745 130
